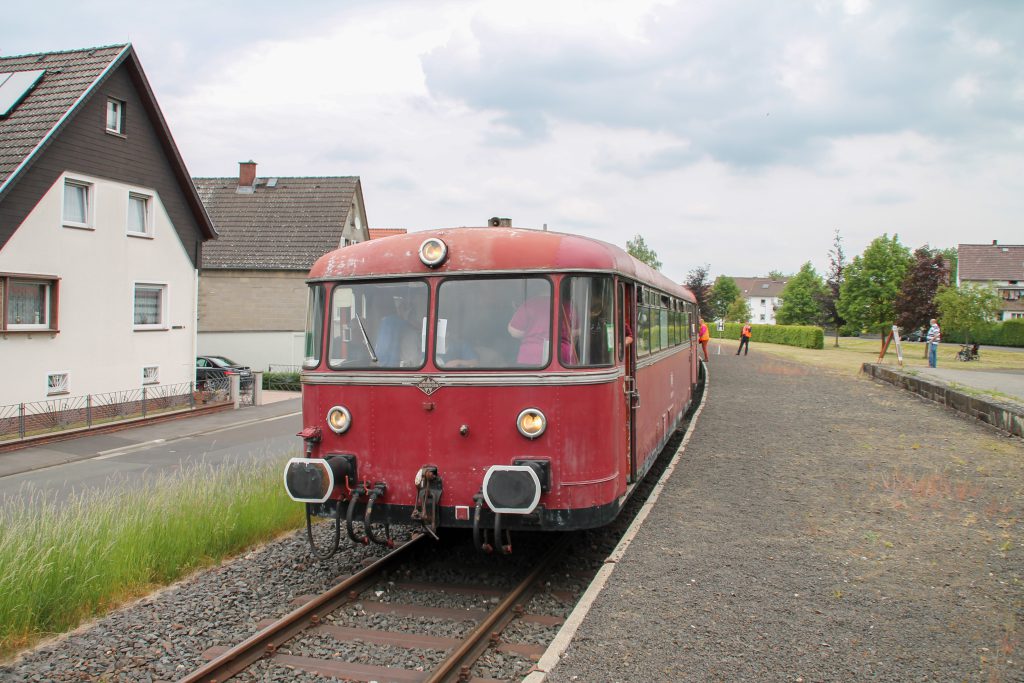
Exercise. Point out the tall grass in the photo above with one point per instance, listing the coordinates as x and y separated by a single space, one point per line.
66 559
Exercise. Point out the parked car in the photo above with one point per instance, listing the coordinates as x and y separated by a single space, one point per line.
916 335
219 367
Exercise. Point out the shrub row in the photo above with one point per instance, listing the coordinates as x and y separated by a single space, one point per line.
1006 333
281 381
804 336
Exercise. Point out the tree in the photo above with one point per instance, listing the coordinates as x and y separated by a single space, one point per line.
723 292
697 282
833 284
801 299
967 308
952 256
915 304
871 283
738 311
639 250
776 275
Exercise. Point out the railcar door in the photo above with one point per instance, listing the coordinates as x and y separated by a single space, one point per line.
627 355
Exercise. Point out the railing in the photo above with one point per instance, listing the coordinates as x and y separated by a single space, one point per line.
25 420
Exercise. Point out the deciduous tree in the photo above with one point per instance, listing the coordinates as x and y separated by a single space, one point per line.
967 308
801 299
723 292
915 304
638 249
776 275
738 311
697 282
872 282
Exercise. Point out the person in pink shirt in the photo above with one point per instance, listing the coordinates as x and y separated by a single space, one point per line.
531 325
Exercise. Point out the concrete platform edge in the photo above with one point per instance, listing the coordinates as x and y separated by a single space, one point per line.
1001 415
563 639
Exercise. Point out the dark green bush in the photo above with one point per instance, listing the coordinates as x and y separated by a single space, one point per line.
1006 333
804 336
281 381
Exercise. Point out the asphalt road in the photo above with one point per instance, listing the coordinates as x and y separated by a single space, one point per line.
132 456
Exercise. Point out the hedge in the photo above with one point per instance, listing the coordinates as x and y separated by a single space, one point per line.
804 336
1006 333
281 381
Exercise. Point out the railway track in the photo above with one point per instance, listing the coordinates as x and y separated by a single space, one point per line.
278 643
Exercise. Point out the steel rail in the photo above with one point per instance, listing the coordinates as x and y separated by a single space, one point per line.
476 641
266 641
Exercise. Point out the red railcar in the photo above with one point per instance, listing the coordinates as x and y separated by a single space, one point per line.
487 378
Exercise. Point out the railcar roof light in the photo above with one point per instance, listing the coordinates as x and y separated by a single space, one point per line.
339 419
433 252
531 423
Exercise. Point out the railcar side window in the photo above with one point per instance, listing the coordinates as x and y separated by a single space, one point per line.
585 310
379 325
314 326
493 323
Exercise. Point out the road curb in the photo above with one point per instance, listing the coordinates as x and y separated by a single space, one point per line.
1005 416
121 425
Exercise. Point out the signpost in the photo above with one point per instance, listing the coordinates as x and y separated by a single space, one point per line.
894 335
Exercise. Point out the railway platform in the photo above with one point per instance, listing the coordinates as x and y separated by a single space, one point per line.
816 527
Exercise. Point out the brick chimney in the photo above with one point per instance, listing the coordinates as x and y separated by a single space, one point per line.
246 173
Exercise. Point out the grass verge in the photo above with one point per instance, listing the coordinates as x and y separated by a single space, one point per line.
853 352
65 561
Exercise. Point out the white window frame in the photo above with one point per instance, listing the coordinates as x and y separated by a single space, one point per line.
147 198
61 386
154 377
118 111
162 324
90 203
46 323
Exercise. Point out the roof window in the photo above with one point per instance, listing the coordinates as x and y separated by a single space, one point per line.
14 86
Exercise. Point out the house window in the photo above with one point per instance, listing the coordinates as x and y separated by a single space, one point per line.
151 374
115 116
57 383
139 221
77 204
28 303
149 306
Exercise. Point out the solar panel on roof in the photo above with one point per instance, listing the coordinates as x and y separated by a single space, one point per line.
14 86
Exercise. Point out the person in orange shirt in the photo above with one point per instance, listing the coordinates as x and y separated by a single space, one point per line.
703 338
744 340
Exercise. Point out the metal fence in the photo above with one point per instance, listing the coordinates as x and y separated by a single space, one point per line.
25 420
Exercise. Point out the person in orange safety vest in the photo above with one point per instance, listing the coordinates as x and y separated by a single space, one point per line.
703 338
744 340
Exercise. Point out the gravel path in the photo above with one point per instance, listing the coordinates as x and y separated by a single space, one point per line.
820 528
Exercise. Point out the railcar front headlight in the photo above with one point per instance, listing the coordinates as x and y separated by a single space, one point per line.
433 252
531 423
339 419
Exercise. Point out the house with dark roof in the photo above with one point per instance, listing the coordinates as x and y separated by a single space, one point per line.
1000 266
763 295
101 230
252 285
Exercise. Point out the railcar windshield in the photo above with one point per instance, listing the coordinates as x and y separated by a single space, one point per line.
378 325
493 323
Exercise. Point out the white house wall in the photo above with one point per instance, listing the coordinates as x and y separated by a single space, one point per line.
97 344
258 350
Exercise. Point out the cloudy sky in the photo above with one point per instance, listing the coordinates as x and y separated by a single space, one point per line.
735 134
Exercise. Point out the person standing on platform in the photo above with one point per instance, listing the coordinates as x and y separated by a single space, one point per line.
933 338
703 338
744 339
